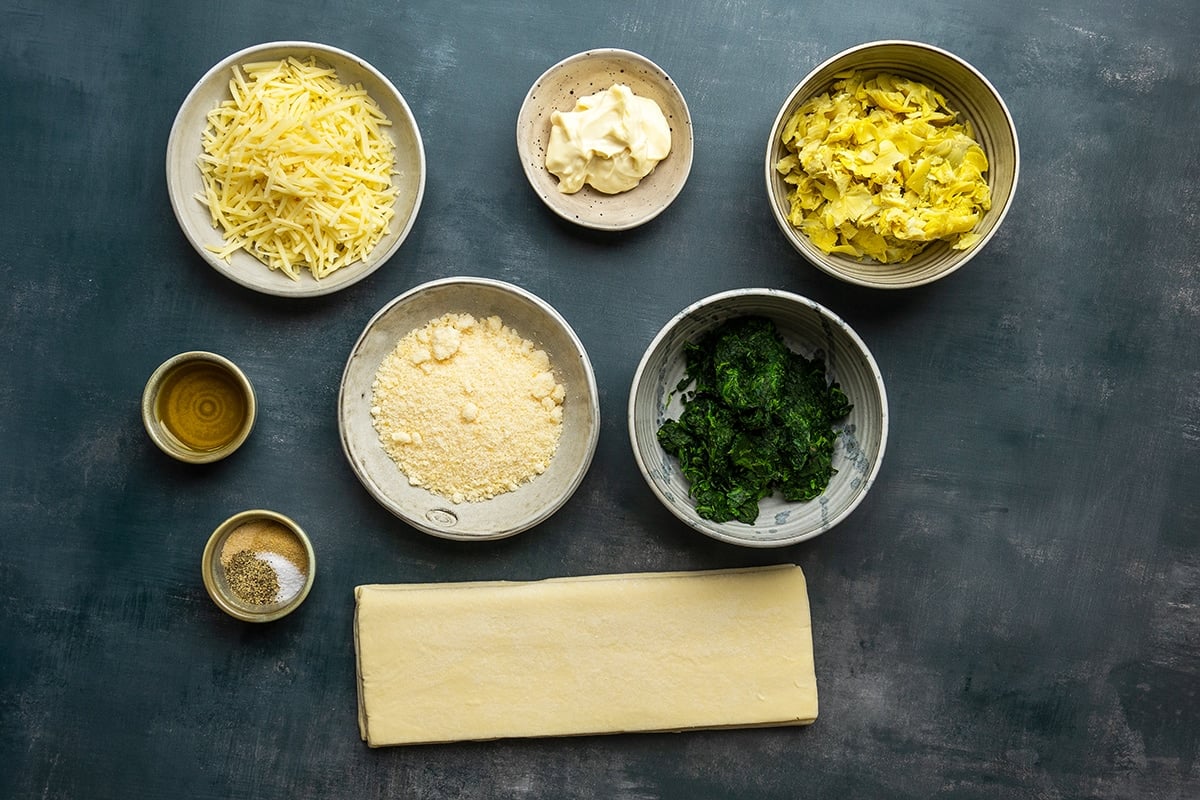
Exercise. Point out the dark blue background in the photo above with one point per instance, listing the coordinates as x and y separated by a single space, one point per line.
1012 612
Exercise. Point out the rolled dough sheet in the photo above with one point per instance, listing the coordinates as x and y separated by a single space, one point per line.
665 651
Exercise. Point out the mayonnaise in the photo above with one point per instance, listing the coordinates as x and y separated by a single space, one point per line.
610 141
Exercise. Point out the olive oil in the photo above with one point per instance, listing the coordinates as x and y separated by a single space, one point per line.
202 405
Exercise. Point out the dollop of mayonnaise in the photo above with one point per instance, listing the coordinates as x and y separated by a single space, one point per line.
610 141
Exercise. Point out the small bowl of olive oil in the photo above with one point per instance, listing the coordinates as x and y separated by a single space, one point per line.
198 407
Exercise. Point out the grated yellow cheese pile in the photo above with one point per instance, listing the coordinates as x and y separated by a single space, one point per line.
881 167
467 408
297 169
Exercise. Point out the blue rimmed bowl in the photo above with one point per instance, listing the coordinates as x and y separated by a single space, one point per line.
808 328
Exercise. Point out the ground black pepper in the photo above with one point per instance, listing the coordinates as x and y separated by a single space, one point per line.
253 580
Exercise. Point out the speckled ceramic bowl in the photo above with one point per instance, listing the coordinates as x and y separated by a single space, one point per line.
968 92
213 571
809 329
505 514
184 181
587 73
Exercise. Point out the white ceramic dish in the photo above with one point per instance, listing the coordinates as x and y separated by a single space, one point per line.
808 328
587 73
968 92
184 181
505 514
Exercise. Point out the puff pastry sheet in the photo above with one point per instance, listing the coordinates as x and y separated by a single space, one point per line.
665 651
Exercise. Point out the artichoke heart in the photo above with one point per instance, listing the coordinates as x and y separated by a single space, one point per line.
880 166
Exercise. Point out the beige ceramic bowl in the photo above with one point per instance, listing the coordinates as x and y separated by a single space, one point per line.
809 329
587 73
505 514
967 91
213 573
227 404
184 182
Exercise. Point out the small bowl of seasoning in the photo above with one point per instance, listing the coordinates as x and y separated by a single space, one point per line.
258 566
198 407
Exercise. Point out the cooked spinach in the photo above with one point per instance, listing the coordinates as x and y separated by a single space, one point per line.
757 418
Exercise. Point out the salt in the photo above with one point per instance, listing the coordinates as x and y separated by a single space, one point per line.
291 579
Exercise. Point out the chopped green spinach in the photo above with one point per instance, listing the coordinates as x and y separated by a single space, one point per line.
757 418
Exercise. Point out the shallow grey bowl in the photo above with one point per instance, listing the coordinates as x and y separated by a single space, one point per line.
505 514
587 73
808 328
184 181
967 91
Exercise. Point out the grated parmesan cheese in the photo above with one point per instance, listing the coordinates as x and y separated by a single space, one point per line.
297 169
467 408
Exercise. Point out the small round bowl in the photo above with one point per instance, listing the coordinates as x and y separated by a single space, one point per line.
809 329
967 91
587 73
213 393
505 514
184 182
287 540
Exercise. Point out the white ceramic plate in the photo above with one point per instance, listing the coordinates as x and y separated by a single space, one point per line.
184 180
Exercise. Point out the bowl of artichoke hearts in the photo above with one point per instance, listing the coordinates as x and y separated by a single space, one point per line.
892 164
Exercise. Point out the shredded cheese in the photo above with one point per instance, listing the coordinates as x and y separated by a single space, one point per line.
467 408
881 167
297 168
